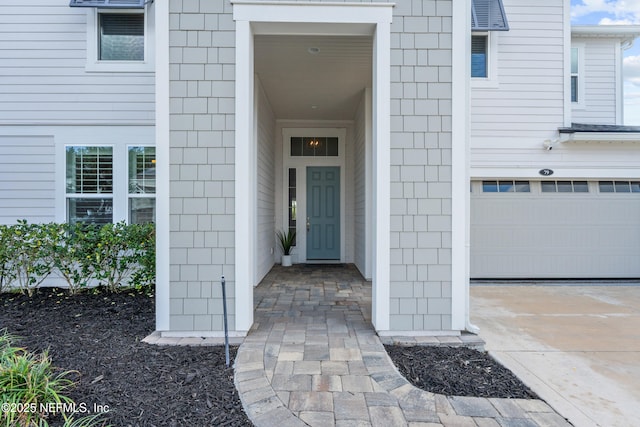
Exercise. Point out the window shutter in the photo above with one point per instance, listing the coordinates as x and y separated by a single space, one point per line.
122 24
109 4
488 15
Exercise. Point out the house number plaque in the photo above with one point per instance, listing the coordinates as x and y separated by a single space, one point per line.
546 172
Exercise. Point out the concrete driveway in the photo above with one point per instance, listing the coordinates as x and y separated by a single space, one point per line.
577 347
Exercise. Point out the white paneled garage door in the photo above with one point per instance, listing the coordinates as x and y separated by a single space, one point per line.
555 229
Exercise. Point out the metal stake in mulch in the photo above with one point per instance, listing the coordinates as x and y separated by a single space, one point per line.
226 328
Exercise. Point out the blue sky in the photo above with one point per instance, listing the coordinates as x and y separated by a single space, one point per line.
616 12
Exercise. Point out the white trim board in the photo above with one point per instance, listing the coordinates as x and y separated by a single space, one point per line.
301 163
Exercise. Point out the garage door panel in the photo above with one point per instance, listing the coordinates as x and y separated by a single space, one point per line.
539 235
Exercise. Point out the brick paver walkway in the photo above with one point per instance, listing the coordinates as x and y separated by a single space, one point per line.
312 358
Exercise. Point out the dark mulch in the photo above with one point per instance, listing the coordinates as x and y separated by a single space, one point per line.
99 336
142 385
457 371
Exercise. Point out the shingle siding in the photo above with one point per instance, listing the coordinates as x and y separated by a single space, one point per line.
421 166
202 177
202 66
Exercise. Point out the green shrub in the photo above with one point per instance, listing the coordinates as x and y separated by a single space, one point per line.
70 257
29 381
7 271
30 248
112 255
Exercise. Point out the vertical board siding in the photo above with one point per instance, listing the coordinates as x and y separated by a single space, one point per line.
266 186
524 104
27 179
421 58
43 77
600 82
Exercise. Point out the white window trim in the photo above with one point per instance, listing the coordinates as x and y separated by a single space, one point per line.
95 65
300 163
116 203
580 105
130 195
491 81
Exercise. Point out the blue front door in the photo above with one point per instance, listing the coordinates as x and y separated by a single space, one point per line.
323 213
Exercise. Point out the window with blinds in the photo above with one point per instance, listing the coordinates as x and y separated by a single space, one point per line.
121 37
89 186
142 184
479 56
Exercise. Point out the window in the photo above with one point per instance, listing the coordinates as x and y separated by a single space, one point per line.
293 204
575 55
487 18
314 147
619 186
120 40
564 186
506 186
479 56
142 185
89 185
121 37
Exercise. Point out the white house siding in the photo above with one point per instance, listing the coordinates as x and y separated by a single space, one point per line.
27 178
43 75
202 205
599 79
420 282
266 185
523 105
361 173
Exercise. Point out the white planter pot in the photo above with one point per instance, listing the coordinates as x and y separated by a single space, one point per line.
286 260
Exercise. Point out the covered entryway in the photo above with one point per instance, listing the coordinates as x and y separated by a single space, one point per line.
309 76
555 229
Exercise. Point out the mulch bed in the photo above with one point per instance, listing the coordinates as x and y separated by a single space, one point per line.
457 371
98 334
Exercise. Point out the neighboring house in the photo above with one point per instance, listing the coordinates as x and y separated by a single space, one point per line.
541 110
359 125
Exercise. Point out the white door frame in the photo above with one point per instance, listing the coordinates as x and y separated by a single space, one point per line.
261 17
301 163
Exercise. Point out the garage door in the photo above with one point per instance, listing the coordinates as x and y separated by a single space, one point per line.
555 229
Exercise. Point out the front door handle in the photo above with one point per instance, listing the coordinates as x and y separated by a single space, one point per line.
308 224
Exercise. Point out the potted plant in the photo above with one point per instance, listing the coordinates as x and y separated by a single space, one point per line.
287 241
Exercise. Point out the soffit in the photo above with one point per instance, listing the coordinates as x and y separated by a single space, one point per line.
332 79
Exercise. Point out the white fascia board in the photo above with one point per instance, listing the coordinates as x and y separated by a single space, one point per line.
381 305
244 179
559 172
460 136
365 13
604 137
162 156
614 31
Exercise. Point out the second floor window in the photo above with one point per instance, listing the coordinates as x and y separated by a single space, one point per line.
479 56
575 57
121 37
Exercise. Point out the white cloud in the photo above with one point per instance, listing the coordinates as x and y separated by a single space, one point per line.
625 11
632 90
609 21
632 70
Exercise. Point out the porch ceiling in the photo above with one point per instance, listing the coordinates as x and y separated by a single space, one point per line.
325 85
